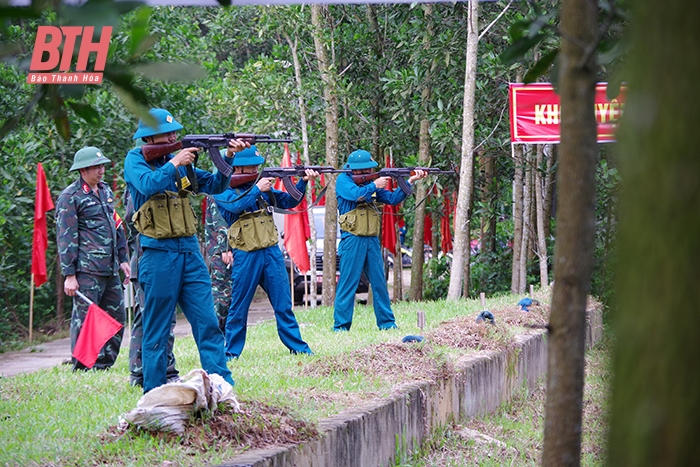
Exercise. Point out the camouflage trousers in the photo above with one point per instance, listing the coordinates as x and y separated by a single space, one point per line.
107 293
220 290
135 362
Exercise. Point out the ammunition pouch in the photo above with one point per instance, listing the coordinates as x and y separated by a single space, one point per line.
364 221
253 231
166 215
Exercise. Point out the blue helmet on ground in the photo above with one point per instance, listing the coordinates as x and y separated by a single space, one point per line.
360 159
166 124
249 156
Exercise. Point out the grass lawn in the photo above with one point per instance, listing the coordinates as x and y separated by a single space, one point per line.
55 417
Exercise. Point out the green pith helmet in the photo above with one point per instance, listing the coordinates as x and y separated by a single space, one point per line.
249 156
87 157
166 124
360 159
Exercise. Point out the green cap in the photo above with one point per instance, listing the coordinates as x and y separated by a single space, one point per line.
87 157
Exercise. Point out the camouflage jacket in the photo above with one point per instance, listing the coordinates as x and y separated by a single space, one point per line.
89 233
215 229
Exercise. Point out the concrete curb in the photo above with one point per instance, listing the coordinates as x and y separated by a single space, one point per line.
376 433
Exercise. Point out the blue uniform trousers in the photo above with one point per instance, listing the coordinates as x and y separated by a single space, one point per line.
264 267
358 254
169 278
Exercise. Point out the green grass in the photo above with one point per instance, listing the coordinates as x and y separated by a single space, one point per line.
519 425
55 417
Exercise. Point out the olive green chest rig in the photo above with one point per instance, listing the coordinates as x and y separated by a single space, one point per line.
364 221
254 230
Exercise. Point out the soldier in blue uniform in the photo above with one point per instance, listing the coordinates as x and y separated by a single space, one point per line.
359 250
257 260
135 357
92 249
171 270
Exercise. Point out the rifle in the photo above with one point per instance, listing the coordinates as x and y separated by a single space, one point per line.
286 174
211 142
399 174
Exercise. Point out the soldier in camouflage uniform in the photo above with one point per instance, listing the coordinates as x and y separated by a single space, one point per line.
92 249
135 363
219 256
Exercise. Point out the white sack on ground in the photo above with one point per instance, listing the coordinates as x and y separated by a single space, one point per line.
167 407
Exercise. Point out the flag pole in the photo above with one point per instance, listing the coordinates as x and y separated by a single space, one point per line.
90 302
31 307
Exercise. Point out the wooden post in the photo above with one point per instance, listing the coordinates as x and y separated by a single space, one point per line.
421 319
482 295
31 307
532 290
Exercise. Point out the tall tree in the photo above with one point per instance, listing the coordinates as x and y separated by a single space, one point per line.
320 18
573 256
655 409
466 175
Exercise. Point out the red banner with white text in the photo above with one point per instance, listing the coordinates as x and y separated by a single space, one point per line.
535 113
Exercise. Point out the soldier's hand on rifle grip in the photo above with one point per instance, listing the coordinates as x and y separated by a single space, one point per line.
184 157
418 175
264 184
381 182
310 174
236 145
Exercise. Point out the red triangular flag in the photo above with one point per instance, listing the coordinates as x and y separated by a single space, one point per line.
42 204
97 329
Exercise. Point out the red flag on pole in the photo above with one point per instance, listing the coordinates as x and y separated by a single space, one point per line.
445 235
296 226
389 215
42 204
97 329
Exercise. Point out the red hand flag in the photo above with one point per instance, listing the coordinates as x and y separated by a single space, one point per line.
42 204
296 226
97 329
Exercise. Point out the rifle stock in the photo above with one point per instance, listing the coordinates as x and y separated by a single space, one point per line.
155 151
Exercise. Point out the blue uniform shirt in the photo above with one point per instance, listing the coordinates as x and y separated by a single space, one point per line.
231 208
350 195
144 182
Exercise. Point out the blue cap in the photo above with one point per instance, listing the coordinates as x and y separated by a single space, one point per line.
249 156
360 159
166 124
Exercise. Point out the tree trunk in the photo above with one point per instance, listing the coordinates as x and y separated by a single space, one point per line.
307 161
466 175
330 96
539 202
416 290
655 409
518 156
527 215
573 257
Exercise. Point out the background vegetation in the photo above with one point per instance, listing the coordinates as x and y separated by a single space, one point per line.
248 85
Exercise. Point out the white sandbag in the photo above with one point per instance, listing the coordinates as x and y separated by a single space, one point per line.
167 407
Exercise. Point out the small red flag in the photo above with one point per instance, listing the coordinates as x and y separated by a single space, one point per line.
42 204
97 329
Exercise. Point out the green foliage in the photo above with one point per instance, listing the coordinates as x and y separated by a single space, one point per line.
436 278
